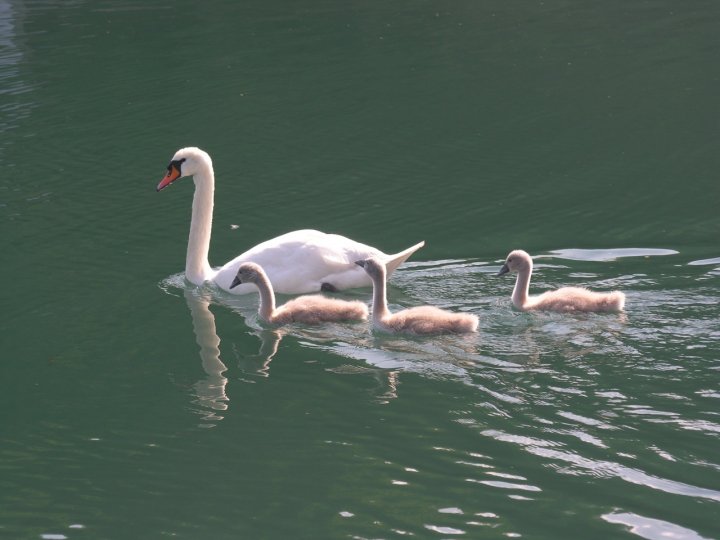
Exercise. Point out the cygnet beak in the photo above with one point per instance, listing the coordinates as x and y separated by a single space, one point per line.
172 175
235 282
503 270
360 263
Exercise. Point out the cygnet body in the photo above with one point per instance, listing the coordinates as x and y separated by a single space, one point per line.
309 309
565 299
417 320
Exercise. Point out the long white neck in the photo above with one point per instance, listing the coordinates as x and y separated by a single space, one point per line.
267 298
379 307
197 267
522 286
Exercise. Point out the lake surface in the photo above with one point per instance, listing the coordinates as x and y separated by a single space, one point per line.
135 405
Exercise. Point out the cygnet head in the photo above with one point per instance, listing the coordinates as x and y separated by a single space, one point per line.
185 162
247 273
516 261
374 267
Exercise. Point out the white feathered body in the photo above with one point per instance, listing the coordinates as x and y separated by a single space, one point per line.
301 261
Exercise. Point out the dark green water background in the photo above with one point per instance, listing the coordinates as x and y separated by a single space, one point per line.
134 406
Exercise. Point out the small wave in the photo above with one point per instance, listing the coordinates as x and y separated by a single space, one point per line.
610 254
653 529
579 465
704 262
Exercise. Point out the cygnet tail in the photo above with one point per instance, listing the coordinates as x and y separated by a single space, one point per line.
616 301
611 301
393 261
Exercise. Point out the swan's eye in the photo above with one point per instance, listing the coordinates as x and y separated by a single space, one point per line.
177 164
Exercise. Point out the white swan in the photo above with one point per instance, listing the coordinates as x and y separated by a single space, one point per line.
563 299
311 309
297 262
415 320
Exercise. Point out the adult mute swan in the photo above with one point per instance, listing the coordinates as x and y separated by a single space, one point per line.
311 309
563 299
415 320
297 262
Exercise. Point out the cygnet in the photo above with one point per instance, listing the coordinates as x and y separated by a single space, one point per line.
415 320
563 299
309 309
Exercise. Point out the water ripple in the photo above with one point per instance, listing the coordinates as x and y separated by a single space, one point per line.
604 469
560 381
650 528
610 254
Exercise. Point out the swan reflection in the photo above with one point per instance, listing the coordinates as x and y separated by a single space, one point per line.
210 392
385 358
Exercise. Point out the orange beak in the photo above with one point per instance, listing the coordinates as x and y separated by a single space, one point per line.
172 175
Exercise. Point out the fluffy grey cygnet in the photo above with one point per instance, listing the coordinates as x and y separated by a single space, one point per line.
309 309
415 320
563 299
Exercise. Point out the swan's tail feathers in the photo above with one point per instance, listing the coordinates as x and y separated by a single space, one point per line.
393 261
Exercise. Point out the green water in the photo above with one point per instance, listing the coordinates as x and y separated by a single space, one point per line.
137 406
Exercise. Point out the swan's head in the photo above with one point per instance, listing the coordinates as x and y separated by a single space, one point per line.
516 261
247 273
373 267
185 162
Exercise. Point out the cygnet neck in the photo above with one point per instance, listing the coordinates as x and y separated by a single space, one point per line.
197 267
380 310
267 297
522 284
